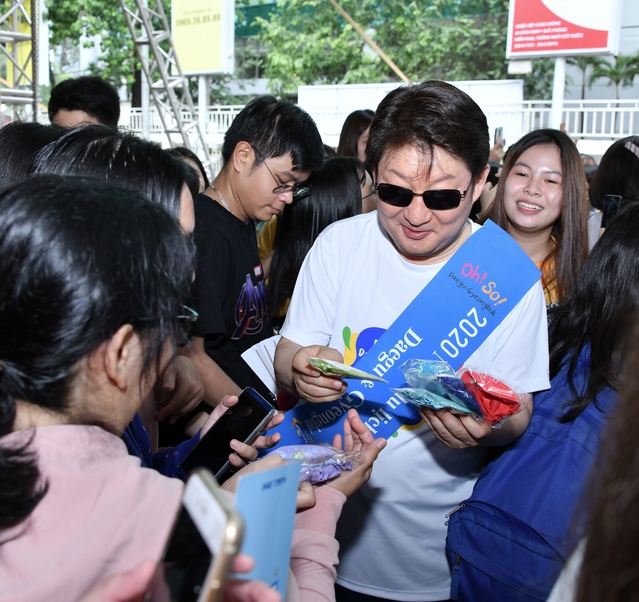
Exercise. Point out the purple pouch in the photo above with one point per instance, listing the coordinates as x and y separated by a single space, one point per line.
319 463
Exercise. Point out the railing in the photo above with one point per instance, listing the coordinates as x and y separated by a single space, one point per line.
603 120
584 119
218 119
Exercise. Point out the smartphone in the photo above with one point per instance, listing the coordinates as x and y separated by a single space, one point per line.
611 206
206 536
243 422
499 133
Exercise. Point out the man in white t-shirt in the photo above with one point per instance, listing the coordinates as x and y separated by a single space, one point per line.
357 279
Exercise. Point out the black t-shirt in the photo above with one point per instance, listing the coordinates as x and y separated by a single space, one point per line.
229 291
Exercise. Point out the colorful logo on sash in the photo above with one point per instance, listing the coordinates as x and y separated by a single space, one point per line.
448 320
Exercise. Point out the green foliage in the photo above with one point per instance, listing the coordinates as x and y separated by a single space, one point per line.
70 19
310 42
621 71
583 63
538 84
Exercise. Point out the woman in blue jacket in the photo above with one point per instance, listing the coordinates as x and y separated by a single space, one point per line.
510 539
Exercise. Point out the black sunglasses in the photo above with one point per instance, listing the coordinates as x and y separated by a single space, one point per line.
438 200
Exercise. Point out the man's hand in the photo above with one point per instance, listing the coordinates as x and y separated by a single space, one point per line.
309 382
455 432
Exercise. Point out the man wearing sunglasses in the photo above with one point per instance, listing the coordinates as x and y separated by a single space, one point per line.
428 152
268 153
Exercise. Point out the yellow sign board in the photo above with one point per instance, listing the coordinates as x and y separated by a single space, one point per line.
203 35
22 52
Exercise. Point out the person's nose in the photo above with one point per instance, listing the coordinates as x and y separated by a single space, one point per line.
417 213
532 187
286 196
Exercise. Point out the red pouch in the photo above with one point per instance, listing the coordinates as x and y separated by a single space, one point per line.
496 399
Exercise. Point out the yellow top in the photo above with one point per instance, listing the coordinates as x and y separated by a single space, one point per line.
266 238
265 243
549 280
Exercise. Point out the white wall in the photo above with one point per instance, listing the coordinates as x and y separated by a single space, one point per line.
330 105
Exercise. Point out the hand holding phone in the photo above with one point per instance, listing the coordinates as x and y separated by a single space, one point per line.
244 421
206 537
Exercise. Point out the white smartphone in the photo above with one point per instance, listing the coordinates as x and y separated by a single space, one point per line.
206 536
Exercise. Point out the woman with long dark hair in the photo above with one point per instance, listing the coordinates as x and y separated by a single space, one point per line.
541 201
510 539
92 281
604 565
618 173
335 193
142 166
92 284
354 134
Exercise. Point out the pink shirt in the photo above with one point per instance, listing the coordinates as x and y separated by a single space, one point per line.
103 514
314 550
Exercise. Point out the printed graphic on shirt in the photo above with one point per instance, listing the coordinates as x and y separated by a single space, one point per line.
250 309
356 344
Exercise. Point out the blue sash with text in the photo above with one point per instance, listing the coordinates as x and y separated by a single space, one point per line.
449 319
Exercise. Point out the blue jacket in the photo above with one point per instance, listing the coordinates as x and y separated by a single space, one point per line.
164 461
510 539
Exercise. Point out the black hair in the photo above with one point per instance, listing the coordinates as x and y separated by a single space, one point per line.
276 128
590 170
354 126
190 177
181 152
428 115
78 259
335 193
19 143
608 572
618 172
329 152
570 230
93 95
598 312
119 158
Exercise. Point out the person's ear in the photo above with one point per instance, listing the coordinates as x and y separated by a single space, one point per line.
243 156
121 351
480 180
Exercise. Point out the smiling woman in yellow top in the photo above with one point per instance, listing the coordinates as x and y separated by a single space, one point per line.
541 202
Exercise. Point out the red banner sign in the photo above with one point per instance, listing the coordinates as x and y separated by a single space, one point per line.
548 27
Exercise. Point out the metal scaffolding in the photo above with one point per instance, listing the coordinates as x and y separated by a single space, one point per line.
19 58
168 86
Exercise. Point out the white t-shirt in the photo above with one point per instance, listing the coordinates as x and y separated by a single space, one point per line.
392 531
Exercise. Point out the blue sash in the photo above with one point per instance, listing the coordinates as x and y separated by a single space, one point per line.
448 320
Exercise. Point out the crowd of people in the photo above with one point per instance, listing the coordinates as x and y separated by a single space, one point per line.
132 282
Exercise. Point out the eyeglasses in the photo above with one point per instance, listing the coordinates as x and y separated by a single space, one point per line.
298 189
190 315
437 200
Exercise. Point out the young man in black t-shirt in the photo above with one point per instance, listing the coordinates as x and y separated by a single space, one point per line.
268 152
